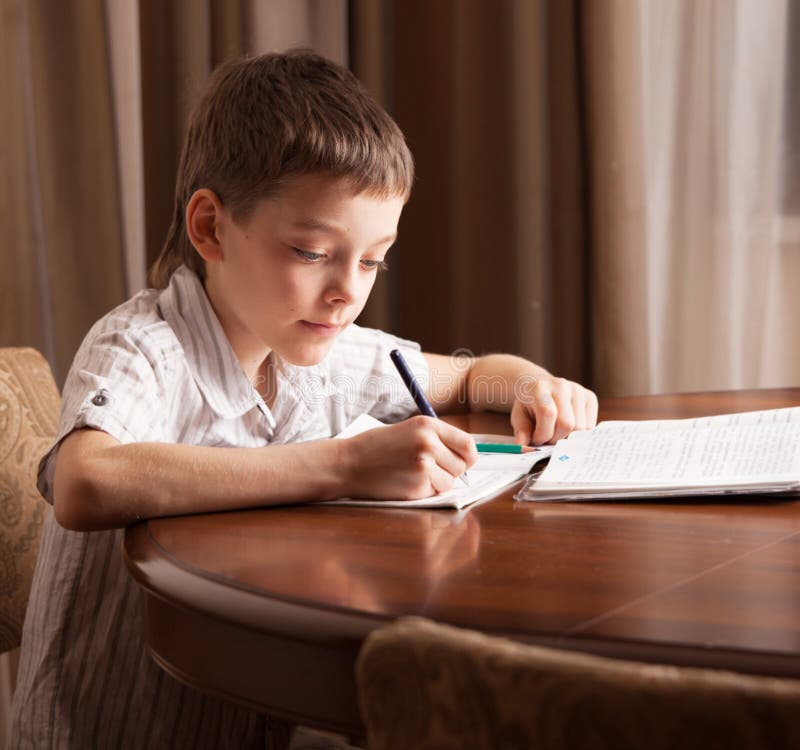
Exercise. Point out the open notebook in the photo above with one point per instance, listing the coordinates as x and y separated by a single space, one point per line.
746 453
490 473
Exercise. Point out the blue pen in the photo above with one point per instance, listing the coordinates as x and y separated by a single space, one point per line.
416 392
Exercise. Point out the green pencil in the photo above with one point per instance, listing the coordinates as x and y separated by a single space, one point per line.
503 448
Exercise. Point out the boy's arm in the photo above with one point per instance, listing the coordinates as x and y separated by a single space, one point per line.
543 408
100 483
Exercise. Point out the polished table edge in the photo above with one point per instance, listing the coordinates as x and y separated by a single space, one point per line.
182 603
188 587
195 590
185 603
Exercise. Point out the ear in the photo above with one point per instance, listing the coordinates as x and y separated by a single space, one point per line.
204 212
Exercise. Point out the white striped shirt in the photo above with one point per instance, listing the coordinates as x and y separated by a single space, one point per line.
160 369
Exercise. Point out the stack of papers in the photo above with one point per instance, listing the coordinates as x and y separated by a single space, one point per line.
490 473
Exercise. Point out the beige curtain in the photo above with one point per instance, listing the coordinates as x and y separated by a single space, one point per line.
61 262
695 248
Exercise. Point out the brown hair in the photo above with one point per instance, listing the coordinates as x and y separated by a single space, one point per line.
265 120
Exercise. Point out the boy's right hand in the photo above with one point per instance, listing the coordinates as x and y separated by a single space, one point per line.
416 458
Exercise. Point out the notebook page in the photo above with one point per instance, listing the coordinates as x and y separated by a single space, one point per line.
489 474
722 451
768 416
482 484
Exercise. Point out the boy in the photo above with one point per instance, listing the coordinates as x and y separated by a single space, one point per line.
194 395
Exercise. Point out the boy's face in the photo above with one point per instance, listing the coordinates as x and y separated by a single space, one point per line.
297 272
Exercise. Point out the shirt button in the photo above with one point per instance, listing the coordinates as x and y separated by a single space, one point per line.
100 398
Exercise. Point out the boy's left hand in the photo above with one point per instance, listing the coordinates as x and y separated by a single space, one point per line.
548 408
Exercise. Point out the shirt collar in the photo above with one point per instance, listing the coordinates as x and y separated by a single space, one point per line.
211 360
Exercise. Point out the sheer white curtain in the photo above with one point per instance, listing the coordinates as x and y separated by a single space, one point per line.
696 249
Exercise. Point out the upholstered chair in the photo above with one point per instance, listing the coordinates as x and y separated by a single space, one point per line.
29 406
423 685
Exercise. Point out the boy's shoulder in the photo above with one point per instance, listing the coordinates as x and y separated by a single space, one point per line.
137 322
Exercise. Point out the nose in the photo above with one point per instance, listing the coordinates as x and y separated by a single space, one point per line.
343 286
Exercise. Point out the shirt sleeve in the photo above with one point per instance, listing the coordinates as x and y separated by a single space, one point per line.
112 386
366 381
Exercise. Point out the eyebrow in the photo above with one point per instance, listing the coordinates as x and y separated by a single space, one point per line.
318 225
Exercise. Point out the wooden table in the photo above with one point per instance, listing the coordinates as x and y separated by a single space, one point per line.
269 607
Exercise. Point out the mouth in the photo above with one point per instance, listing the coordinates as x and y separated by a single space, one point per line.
323 329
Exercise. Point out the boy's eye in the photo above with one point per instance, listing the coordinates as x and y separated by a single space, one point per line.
380 265
308 255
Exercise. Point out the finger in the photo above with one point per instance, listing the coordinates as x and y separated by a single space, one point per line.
591 409
522 423
588 410
545 412
456 453
580 404
441 479
565 421
449 462
457 442
436 461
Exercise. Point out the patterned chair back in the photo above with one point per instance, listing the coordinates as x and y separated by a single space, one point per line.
29 407
428 686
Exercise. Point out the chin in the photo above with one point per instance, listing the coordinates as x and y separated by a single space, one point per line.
304 361
306 357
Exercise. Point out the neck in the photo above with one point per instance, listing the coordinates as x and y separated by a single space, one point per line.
251 352
266 382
